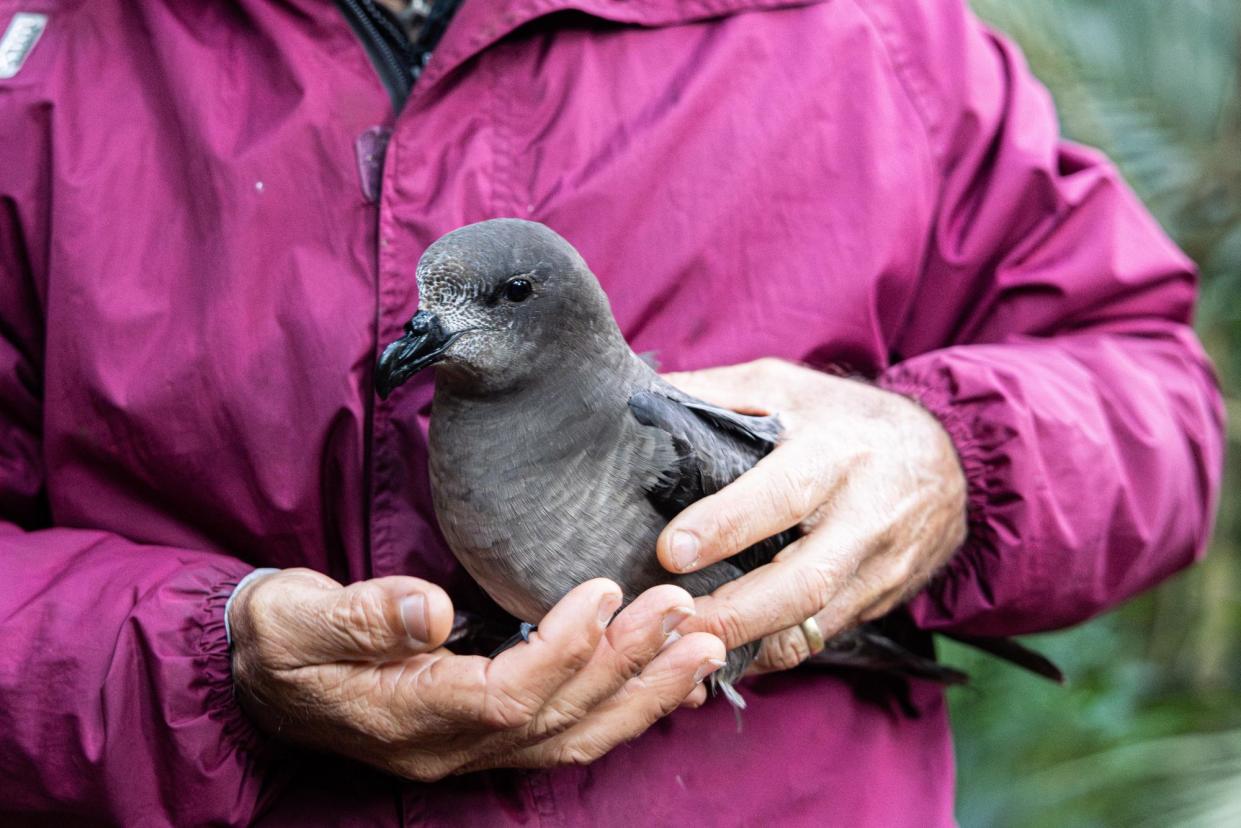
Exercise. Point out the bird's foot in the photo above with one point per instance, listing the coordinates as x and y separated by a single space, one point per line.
522 634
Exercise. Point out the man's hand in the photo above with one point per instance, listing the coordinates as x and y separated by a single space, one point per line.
360 670
870 476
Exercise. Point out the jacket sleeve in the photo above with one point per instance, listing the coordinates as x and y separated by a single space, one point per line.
116 700
1051 336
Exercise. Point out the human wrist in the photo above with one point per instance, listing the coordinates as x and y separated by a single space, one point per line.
233 604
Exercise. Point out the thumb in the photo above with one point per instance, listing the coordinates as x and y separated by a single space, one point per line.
377 620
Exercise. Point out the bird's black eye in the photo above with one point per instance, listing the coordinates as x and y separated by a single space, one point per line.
518 290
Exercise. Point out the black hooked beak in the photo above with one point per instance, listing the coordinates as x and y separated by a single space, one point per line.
424 344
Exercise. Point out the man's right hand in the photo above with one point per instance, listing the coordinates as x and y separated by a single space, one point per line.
361 670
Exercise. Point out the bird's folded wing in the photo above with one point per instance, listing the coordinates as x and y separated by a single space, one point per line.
713 447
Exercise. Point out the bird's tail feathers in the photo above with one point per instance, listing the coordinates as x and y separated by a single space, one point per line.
1015 653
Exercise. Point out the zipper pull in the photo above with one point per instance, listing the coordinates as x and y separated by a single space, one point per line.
371 146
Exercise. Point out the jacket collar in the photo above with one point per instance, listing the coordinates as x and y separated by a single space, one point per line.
479 24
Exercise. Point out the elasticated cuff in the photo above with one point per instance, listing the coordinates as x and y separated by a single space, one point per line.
981 449
214 662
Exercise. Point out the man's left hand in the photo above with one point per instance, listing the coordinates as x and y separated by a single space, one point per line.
872 479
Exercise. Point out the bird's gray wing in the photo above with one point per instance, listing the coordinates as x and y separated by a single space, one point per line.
714 446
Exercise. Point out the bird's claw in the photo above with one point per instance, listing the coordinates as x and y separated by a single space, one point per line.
522 634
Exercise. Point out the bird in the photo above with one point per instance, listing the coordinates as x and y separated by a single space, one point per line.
557 454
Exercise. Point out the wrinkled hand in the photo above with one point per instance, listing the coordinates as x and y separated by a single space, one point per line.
870 476
360 670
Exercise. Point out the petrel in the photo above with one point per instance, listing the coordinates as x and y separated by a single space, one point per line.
558 455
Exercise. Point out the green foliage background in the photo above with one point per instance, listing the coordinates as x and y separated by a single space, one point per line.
1148 732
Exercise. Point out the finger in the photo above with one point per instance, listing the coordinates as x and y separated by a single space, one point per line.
783 650
377 620
631 641
778 493
757 387
697 697
668 680
507 692
904 577
879 586
878 583
885 603
798 584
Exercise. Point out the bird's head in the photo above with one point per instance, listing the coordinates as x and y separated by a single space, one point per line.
500 301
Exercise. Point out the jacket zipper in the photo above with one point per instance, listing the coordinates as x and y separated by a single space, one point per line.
395 77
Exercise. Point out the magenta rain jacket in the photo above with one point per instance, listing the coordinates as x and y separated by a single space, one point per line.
195 280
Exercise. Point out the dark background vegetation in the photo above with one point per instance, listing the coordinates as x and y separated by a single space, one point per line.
1148 731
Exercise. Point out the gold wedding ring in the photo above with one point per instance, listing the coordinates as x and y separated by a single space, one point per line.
814 636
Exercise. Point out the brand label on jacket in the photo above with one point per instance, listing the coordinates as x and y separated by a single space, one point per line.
19 40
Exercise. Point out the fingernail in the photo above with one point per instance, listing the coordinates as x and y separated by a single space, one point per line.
684 548
707 668
674 617
608 607
673 637
414 615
